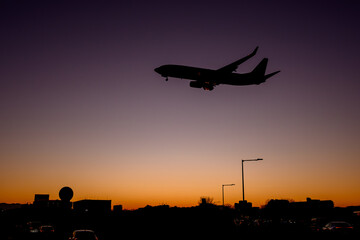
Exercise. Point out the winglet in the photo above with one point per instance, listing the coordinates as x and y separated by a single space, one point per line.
254 52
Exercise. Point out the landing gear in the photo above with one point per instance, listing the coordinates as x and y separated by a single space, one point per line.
210 88
166 79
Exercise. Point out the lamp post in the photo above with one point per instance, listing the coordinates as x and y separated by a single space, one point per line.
223 191
242 168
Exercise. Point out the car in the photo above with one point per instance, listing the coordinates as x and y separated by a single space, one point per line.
316 224
47 229
338 226
83 235
33 226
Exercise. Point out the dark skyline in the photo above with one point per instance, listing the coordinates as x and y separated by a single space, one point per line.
81 105
57 220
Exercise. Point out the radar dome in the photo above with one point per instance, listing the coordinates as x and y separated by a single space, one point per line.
66 194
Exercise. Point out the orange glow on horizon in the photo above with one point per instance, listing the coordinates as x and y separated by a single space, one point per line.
179 182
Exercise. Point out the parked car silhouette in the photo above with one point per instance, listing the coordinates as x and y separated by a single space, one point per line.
83 235
338 226
47 229
33 226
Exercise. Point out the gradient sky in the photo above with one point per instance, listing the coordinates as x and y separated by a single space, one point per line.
81 106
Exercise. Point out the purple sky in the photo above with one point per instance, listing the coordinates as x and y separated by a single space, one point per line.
79 99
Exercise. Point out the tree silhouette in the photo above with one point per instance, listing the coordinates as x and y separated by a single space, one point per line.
206 201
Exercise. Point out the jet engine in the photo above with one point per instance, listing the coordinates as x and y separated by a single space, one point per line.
205 85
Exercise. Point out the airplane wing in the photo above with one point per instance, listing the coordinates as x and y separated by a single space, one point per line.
233 66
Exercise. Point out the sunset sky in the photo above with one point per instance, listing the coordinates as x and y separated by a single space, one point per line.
81 105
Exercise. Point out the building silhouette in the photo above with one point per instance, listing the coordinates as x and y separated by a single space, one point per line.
118 208
92 206
310 207
43 201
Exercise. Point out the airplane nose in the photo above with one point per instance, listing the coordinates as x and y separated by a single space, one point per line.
157 70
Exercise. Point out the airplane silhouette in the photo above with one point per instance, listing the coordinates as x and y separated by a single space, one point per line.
208 79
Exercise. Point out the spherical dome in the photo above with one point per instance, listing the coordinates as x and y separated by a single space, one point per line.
66 194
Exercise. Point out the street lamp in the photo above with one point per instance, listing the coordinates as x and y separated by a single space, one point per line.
223 190
242 168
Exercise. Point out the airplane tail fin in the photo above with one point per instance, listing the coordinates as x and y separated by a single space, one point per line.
260 69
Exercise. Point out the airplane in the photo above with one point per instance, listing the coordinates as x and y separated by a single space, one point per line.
208 79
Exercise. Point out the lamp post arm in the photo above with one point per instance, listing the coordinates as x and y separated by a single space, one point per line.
232 184
242 170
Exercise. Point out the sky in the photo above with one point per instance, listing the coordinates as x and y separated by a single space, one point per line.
81 105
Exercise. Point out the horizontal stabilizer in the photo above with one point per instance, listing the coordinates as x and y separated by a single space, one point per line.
270 75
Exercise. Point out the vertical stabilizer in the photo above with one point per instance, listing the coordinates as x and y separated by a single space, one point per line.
260 68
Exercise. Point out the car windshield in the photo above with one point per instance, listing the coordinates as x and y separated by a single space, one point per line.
85 235
47 228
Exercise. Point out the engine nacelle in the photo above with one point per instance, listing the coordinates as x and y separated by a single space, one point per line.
195 84
205 85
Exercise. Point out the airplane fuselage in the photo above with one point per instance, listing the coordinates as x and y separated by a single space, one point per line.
206 75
